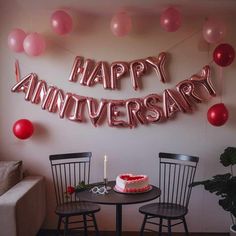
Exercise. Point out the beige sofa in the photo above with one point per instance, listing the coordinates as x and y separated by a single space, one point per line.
22 206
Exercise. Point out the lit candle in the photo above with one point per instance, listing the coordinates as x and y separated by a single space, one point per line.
105 166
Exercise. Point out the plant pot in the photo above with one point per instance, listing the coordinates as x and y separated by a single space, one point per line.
233 230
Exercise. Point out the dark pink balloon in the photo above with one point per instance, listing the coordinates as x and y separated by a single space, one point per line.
170 19
121 24
224 54
34 44
23 129
217 115
61 22
15 40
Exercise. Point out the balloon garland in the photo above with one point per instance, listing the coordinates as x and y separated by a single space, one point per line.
91 73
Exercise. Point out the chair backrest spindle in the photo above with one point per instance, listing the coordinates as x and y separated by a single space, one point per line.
69 170
176 173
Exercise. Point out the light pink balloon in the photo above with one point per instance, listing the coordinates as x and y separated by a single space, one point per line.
213 31
121 24
15 40
170 19
34 44
61 22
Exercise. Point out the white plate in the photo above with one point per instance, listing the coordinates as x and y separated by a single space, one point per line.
116 190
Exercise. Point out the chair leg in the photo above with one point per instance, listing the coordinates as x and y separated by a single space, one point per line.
59 225
143 225
160 226
85 225
95 225
185 226
169 227
66 226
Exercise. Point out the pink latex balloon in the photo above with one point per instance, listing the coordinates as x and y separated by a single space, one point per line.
121 24
61 22
213 31
15 40
170 19
34 44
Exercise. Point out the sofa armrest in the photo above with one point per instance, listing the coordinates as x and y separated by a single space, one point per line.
22 208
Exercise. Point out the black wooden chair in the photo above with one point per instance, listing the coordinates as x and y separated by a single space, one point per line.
176 173
68 170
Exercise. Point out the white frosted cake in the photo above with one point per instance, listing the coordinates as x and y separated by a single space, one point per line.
128 183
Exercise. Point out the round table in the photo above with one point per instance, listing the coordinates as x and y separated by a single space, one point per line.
118 199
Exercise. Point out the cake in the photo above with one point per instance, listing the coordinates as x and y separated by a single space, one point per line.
128 183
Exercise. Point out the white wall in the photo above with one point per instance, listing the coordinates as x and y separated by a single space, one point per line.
129 150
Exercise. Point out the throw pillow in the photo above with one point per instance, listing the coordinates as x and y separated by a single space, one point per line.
10 174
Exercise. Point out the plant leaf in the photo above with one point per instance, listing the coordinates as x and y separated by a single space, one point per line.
228 157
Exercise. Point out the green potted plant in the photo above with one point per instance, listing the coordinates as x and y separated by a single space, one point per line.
224 185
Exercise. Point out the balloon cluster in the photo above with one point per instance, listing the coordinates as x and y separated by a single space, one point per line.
214 31
223 55
33 44
170 21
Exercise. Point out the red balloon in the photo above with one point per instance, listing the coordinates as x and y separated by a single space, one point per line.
218 114
23 129
224 54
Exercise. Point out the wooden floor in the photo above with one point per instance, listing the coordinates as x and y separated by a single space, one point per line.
110 233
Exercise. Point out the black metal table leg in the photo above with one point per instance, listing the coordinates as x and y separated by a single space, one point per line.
118 219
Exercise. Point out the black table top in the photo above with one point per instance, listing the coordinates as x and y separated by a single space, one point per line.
115 198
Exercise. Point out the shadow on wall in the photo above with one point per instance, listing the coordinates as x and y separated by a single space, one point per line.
41 132
232 115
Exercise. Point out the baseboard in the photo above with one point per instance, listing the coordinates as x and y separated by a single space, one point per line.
51 232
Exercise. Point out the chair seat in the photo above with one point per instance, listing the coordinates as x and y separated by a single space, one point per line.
76 208
164 210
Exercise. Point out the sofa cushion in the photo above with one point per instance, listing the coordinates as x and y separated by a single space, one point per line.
10 174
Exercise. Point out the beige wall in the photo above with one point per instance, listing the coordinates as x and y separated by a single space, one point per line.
128 150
